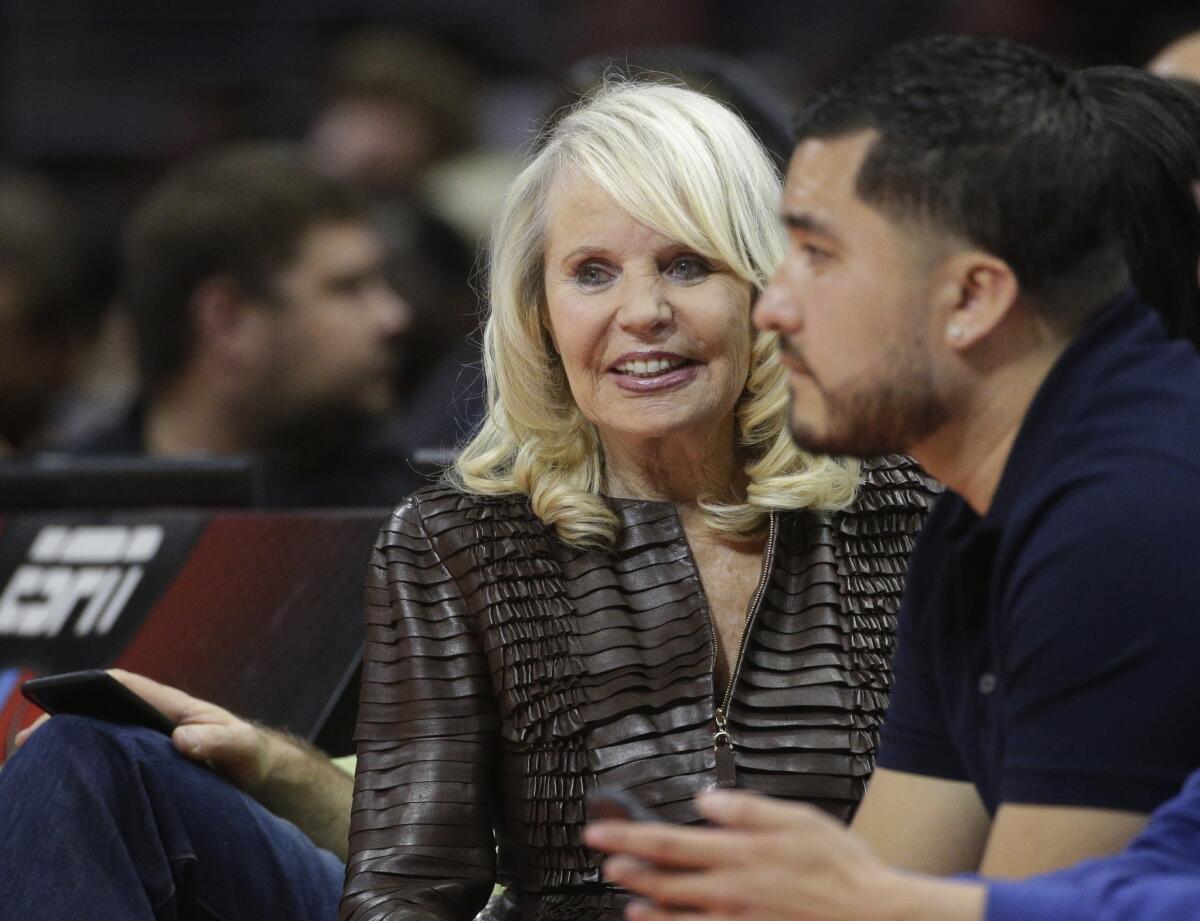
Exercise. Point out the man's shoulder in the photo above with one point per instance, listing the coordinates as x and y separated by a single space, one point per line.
1123 446
120 432
1131 491
1113 534
1139 409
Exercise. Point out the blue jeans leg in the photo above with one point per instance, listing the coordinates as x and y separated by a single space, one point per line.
109 822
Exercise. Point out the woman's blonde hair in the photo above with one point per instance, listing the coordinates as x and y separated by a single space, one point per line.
687 167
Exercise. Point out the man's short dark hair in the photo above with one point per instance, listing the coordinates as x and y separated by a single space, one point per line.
240 212
990 141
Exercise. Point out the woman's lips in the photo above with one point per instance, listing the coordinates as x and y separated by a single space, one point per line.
676 377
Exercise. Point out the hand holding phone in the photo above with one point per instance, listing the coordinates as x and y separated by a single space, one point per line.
239 749
605 804
97 694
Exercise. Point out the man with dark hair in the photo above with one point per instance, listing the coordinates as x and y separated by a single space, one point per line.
264 326
47 322
955 289
1156 124
396 111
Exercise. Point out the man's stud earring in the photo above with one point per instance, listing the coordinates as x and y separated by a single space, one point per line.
955 332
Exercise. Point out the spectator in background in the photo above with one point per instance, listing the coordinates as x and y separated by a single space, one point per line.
396 105
1180 59
47 321
1156 125
263 326
723 78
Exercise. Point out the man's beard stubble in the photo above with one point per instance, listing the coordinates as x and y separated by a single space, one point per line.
886 417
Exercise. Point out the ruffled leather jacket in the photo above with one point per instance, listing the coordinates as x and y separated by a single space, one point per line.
507 675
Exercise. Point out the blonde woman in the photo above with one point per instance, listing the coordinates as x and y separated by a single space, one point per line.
632 578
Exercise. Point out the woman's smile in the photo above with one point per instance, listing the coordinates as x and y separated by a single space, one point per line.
651 372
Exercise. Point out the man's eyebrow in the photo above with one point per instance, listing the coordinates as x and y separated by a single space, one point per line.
356 274
799 220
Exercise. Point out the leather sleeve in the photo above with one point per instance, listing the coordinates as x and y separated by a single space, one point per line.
421 834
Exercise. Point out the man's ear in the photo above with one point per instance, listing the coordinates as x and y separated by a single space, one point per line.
227 322
976 294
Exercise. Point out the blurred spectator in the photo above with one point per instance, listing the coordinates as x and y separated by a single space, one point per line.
48 320
723 78
397 104
1157 128
1181 58
263 325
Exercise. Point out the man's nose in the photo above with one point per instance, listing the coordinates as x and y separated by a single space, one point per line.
394 313
777 308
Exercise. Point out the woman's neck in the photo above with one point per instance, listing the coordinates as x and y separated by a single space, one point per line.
679 470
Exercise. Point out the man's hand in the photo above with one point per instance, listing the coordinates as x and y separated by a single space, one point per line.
768 861
285 774
240 750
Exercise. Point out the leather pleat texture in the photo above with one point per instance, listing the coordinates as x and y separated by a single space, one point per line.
507 675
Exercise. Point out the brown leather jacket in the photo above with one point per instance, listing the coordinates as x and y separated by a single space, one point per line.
508 674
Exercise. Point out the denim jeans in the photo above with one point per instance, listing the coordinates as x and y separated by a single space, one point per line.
102 822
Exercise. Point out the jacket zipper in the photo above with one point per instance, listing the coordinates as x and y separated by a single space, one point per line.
722 741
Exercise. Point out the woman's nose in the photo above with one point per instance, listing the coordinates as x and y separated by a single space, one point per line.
644 306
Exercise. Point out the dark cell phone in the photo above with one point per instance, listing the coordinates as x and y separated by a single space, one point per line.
617 804
97 694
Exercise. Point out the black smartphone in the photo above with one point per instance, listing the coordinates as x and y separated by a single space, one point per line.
616 804
97 694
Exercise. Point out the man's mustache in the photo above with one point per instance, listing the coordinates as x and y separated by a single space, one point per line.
793 353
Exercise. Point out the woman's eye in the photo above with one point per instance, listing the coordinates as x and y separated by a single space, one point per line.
688 268
592 275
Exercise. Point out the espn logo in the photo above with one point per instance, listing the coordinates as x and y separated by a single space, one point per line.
87 572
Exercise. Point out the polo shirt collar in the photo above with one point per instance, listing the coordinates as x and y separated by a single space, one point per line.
1107 329
971 541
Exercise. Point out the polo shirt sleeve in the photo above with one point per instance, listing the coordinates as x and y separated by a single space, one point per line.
915 737
1099 614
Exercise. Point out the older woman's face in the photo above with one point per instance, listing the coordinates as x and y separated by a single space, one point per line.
655 339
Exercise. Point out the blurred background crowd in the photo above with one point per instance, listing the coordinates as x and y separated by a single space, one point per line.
254 226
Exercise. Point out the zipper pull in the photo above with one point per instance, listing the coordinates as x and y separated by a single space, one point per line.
723 748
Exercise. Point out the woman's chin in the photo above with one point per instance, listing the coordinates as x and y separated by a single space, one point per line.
632 426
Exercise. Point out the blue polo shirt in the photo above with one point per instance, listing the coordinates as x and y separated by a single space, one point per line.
1050 652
